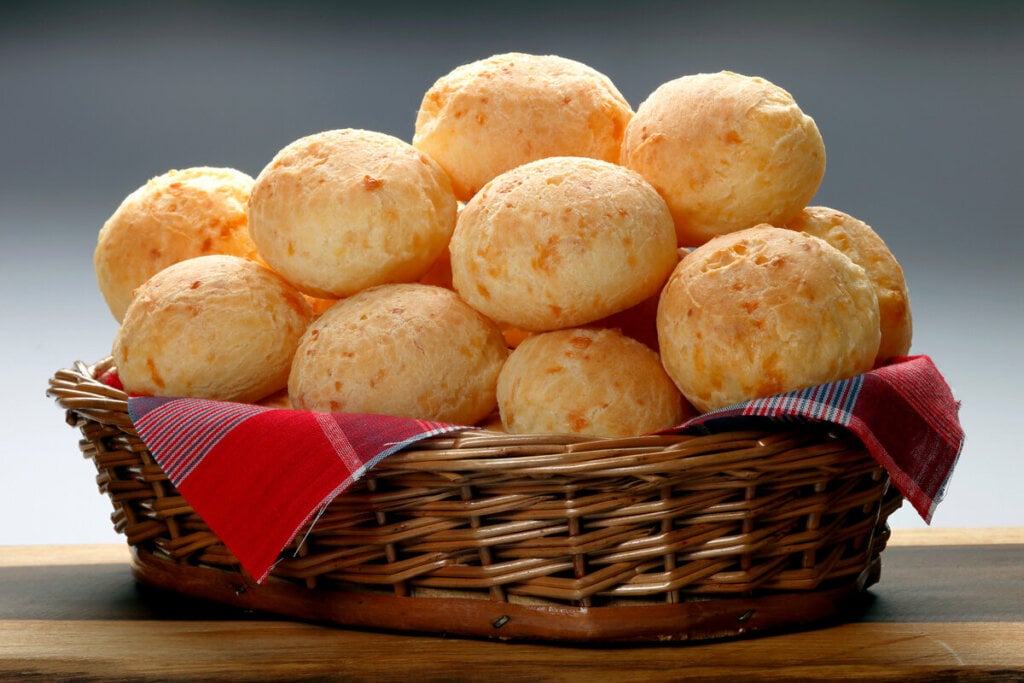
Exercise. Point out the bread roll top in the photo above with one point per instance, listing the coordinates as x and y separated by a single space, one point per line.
726 151
491 115
561 242
218 327
343 210
762 311
175 216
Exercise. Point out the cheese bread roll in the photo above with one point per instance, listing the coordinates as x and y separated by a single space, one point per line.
763 311
342 210
866 248
218 327
175 216
587 381
494 114
410 350
726 151
561 242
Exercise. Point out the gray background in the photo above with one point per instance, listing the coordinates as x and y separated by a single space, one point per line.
920 105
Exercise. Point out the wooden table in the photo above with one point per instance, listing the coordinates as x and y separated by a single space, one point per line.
950 606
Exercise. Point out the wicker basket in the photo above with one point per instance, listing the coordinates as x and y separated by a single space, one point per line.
484 534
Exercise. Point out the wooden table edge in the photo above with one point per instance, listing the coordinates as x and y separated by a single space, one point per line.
934 536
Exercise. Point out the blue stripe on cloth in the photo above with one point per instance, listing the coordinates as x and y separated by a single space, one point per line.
431 429
832 402
181 432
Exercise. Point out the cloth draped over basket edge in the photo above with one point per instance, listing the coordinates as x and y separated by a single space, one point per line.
230 462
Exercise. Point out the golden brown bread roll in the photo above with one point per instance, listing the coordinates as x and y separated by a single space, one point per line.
410 350
590 381
219 327
561 242
342 210
866 248
174 216
494 114
726 151
762 311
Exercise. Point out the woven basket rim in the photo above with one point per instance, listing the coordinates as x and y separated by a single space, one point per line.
80 389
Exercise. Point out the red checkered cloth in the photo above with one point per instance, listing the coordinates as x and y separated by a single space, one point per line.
257 475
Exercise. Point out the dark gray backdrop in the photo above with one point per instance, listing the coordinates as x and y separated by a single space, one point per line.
920 105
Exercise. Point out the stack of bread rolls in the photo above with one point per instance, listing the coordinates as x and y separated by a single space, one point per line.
538 258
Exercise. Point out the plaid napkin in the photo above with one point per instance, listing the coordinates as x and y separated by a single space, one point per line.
903 412
257 475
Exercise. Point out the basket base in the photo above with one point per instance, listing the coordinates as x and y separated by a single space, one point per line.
697 620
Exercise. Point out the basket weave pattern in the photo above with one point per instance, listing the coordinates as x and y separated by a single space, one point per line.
538 519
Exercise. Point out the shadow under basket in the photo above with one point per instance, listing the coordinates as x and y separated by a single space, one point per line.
537 537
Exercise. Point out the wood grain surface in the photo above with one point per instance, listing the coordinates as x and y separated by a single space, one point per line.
950 606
